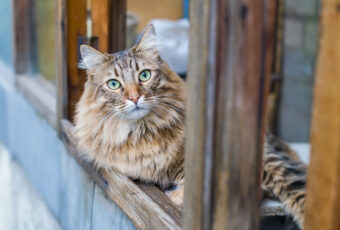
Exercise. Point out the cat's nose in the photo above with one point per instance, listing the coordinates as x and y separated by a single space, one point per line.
134 98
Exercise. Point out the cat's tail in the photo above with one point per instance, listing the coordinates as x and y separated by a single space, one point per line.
284 177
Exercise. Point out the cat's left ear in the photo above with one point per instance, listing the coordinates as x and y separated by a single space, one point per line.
148 44
90 57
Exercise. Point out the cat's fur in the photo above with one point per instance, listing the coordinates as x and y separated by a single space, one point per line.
148 143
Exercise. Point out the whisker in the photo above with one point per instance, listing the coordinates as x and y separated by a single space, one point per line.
170 106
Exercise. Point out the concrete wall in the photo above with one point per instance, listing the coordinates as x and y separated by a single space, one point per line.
300 48
73 199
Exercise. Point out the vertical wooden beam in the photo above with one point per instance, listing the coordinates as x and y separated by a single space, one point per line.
323 188
76 27
22 23
71 24
225 105
269 42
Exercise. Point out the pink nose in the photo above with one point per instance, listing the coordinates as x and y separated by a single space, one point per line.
134 98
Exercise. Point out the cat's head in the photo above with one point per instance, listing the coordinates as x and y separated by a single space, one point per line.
132 83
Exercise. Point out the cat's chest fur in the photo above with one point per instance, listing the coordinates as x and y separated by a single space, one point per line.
134 150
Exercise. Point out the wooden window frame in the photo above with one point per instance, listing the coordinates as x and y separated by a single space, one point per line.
146 205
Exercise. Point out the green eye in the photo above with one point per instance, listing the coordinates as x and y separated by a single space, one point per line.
144 75
113 84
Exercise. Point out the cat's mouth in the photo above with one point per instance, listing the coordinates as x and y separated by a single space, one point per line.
137 112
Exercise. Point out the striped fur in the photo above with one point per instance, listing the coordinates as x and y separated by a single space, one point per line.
148 144
284 177
144 142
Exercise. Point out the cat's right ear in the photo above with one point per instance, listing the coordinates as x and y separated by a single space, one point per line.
90 57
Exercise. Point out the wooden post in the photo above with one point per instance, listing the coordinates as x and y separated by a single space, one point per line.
225 112
323 187
108 24
22 22
71 24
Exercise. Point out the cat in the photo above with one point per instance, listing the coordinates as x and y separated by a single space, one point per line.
130 118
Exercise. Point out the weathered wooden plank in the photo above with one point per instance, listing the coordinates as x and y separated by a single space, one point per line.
225 106
323 188
145 205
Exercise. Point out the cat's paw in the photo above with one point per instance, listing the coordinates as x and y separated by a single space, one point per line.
176 194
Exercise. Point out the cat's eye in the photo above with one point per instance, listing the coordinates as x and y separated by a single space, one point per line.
145 75
113 84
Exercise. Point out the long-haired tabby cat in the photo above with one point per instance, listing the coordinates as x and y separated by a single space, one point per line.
131 118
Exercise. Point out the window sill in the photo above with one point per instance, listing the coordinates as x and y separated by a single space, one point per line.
41 94
145 205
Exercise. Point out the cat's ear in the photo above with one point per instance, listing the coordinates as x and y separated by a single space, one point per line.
90 57
148 44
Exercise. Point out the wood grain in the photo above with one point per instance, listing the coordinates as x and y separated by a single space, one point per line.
225 106
145 205
323 188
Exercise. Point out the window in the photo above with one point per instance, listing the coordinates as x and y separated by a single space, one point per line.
44 38
34 54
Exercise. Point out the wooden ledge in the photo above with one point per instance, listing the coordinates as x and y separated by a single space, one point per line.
145 205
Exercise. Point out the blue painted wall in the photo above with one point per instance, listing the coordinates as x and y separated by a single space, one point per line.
6 32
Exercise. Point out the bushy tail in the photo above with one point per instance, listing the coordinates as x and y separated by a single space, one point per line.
285 177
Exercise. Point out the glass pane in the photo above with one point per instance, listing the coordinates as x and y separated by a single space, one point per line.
44 21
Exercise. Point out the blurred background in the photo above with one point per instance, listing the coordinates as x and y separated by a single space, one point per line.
41 186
